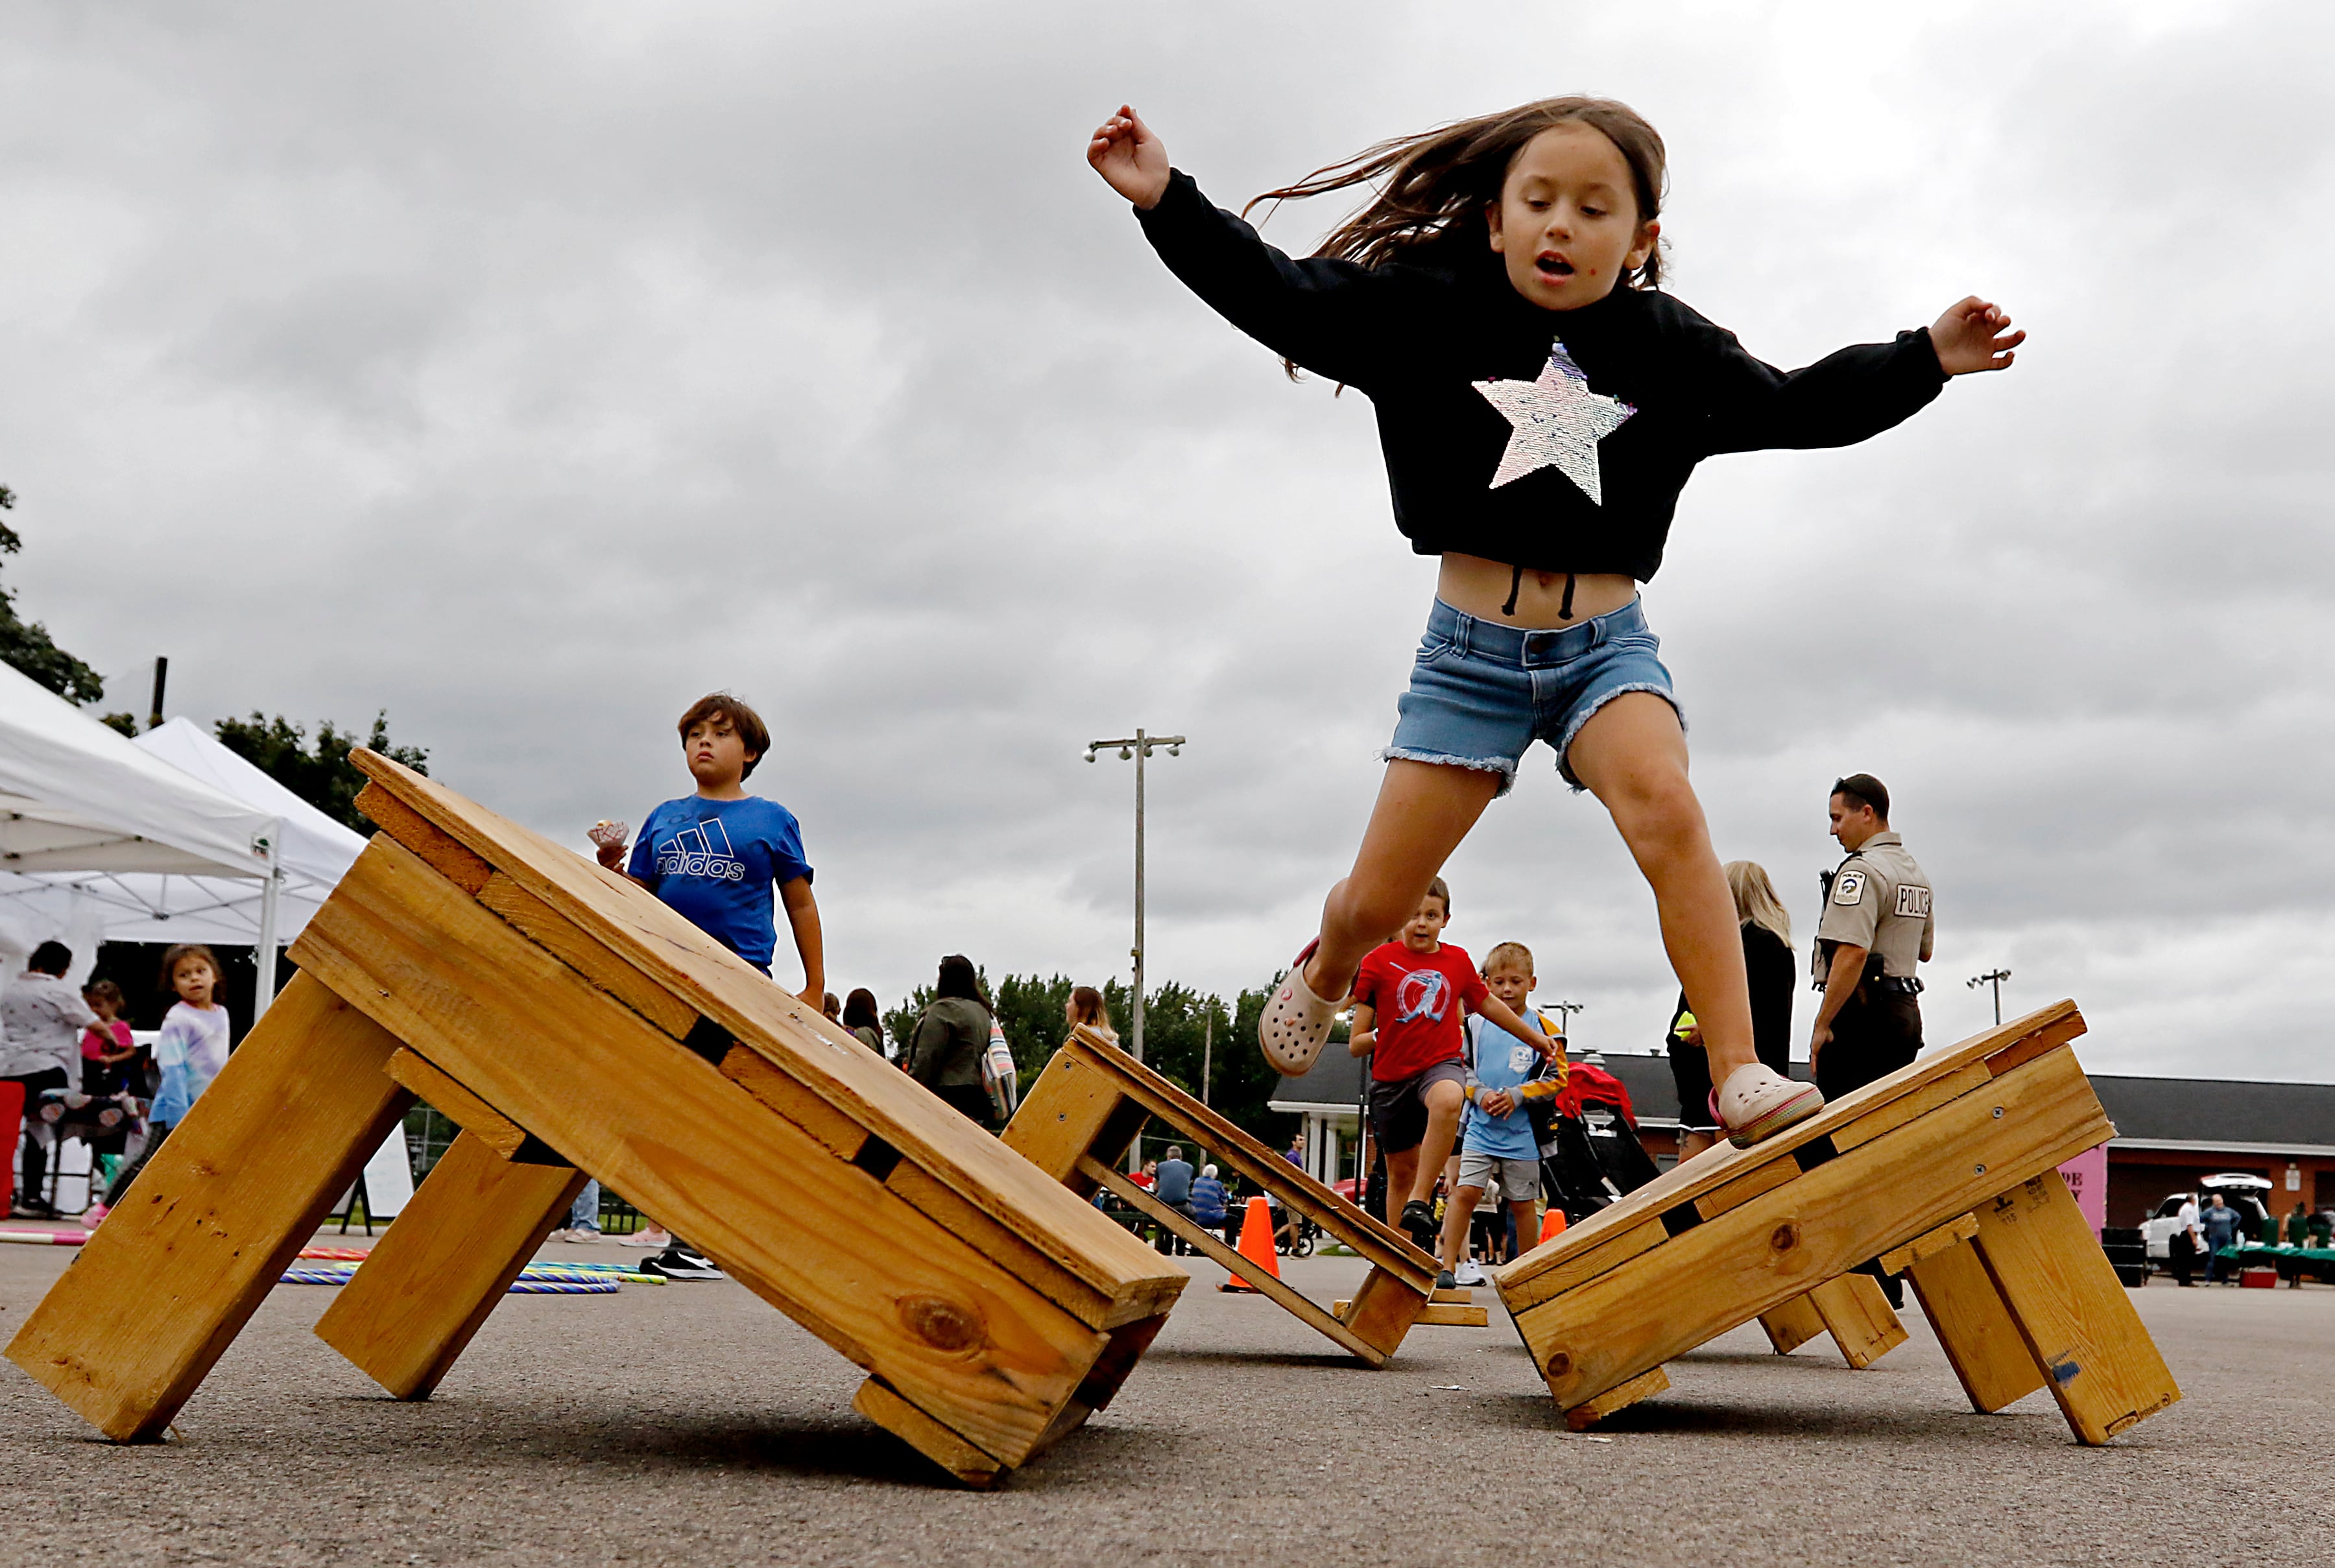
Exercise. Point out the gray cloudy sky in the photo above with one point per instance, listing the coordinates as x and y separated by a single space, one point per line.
529 370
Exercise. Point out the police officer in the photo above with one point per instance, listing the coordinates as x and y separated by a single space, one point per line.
1876 927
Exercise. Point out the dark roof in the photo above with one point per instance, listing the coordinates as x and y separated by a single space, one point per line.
2236 1112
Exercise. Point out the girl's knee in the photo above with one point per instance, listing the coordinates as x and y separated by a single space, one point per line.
1444 1096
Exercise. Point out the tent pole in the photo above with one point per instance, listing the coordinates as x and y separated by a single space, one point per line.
264 955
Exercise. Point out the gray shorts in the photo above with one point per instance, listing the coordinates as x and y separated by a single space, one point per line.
1517 1181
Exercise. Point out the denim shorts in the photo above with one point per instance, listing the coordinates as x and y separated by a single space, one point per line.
1481 693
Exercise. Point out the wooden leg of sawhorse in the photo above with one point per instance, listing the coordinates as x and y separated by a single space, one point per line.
1591 1411
164 1285
472 1225
2058 1286
1852 1309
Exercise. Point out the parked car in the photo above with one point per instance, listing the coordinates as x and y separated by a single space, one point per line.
2249 1194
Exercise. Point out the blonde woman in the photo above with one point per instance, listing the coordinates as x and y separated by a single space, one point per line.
1768 960
1086 1006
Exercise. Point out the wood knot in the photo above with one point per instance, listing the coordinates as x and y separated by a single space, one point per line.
1559 1364
1786 1236
943 1324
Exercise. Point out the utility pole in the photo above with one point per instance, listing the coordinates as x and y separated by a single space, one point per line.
162 677
1564 1012
1994 978
1207 1045
1139 747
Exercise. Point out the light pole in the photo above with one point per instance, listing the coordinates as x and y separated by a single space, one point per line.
1994 978
1138 746
1564 1012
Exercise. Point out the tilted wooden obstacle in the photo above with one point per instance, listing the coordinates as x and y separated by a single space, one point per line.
572 1023
1946 1170
1087 1107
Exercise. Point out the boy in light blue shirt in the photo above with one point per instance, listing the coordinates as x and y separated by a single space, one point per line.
1497 1149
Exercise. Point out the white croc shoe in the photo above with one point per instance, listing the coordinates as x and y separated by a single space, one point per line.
1296 1023
1756 1102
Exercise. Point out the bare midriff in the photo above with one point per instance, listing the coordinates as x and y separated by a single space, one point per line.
1493 591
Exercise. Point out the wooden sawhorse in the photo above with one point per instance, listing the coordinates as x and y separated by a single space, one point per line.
1946 1169
1085 1110
570 1022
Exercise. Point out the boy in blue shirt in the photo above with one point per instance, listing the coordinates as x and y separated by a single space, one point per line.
1497 1149
715 857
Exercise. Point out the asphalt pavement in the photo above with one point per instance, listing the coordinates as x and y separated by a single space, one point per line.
692 1424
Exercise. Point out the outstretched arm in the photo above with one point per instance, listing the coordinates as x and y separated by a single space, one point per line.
1130 157
1974 334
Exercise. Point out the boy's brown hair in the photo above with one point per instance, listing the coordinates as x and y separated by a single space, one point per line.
1507 952
1439 888
743 719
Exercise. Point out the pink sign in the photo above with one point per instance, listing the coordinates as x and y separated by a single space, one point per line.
2088 1183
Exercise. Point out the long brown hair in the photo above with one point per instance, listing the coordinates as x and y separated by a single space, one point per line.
1437 186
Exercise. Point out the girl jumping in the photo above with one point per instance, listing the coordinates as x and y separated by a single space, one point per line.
1540 404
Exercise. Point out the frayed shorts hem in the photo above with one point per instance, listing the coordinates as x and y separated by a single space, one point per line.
1589 710
1506 767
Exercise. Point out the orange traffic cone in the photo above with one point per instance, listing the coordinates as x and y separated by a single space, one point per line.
1552 1224
1255 1244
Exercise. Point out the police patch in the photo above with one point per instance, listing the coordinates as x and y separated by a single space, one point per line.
1913 900
1848 888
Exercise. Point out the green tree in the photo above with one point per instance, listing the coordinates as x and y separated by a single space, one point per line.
27 645
321 774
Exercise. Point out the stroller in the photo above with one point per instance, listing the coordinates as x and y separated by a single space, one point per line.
1589 1150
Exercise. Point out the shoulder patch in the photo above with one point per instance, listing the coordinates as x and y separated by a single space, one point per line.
1848 888
1913 900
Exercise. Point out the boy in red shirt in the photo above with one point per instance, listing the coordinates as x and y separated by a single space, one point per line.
1411 999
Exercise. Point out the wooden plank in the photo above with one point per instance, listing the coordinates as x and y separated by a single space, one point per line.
1644 1386
547 927
483 1122
1792 1325
164 1286
1545 1280
431 1280
1371 1238
770 1021
1727 1271
843 1137
1073 1294
882 1404
439 850
1385 1308
1436 1315
1683 1185
1946 1238
1762 1179
946 1326
1858 1314
2099 1361
1070 1112
1459 1297
1982 1343
1921 1101
1282 1294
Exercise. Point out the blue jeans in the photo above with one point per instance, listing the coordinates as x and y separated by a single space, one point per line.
1481 693
585 1214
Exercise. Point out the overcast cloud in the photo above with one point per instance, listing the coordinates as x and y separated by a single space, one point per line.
530 369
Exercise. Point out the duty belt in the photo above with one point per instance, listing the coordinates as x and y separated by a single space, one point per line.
1900 983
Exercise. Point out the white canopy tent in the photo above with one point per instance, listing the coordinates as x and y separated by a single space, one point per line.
82 807
170 837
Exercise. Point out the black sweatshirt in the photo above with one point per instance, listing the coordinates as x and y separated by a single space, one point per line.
1426 339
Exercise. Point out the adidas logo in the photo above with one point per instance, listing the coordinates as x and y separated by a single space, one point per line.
700 851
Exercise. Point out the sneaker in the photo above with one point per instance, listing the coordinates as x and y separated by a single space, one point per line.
1468 1273
1756 1102
1418 1220
94 1212
1447 1280
580 1234
677 1263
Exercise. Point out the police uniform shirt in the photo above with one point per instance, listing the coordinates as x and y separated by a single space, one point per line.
1881 902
